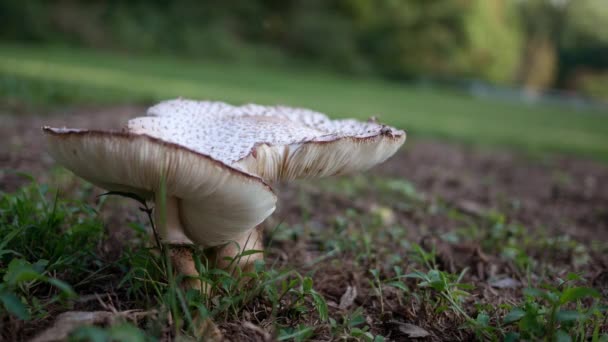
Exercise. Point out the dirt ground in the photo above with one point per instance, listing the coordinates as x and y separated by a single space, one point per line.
557 197
565 195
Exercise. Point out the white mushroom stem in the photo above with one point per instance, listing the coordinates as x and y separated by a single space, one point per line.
170 229
183 263
227 256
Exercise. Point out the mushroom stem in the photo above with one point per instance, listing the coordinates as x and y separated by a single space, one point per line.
183 263
172 234
229 256
170 229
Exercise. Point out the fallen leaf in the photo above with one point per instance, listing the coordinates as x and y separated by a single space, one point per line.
68 321
265 335
411 330
348 298
471 208
208 331
505 283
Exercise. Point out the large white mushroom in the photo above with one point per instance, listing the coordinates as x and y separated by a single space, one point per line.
215 160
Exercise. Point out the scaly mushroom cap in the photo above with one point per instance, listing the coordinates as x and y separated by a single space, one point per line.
217 203
275 143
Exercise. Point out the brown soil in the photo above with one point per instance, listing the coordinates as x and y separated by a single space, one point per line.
560 196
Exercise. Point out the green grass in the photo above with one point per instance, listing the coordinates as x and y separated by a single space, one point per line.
46 75
50 257
48 248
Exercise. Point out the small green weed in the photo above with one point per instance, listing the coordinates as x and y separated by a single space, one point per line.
353 326
449 287
46 243
557 312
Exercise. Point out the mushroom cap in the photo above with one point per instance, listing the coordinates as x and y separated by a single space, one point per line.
217 203
274 143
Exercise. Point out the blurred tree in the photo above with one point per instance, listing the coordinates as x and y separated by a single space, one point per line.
583 50
411 37
542 21
538 43
495 40
588 18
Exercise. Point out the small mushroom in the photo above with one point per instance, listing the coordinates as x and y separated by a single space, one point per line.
215 161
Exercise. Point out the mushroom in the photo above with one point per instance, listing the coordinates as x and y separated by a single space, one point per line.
215 161
217 202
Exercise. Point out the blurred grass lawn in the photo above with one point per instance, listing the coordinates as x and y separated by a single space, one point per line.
46 76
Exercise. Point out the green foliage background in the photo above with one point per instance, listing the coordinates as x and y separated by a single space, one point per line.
402 39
